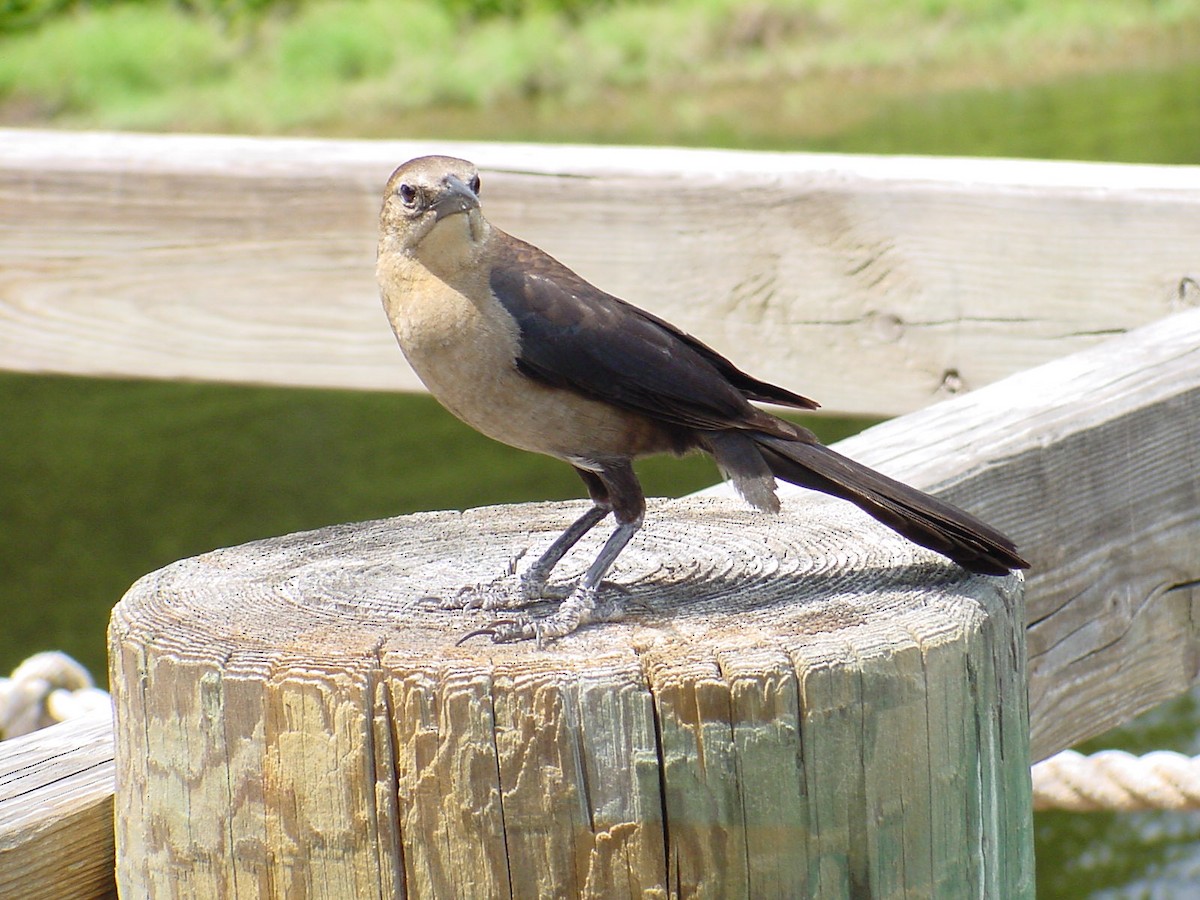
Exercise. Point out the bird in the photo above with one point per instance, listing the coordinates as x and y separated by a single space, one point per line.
524 350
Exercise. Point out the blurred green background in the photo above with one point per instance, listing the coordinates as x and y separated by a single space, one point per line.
102 481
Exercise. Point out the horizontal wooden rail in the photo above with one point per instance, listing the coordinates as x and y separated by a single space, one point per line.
56 811
1093 469
872 284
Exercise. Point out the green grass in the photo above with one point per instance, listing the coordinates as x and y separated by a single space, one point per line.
373 65
109 59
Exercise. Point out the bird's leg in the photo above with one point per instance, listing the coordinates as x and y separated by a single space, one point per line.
513 591
533 580
576 610
615 480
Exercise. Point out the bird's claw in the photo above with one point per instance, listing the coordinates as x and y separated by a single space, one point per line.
506 592
509 591
577 609
511 568
505 631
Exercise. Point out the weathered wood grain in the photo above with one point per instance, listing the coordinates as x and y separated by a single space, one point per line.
1092 464
1115 632
56 811
797 705
871 284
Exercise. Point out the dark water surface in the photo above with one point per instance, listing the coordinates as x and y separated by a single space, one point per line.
1134 117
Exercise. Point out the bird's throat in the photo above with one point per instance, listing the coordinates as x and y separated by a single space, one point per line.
454 245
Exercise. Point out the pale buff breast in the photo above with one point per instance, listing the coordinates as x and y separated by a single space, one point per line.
465 350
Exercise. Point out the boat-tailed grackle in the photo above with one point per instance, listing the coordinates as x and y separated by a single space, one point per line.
524 350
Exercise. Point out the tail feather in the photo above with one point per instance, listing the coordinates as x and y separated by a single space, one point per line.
921 518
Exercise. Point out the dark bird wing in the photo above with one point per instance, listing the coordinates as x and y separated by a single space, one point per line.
578 337
575 336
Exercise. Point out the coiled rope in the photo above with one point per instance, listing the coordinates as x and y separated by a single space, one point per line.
1116 780
46 689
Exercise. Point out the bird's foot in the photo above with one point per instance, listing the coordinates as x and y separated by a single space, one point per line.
508 591
577 609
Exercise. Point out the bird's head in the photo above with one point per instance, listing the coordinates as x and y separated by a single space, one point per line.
431 209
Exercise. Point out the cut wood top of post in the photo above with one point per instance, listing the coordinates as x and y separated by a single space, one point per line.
704 572
795 701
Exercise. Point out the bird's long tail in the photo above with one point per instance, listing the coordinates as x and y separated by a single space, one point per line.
923 519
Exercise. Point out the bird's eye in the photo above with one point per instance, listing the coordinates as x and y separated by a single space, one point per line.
475 185
408 195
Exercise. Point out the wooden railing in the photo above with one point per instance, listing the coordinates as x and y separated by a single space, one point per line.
873 284
876 285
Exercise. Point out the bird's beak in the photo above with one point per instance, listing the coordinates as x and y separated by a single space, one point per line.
456 198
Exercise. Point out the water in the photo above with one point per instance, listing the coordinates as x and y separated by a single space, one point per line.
1145 116
1133 117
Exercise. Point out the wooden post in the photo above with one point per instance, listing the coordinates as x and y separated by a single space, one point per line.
796 705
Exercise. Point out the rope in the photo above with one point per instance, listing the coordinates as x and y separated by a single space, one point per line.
1115 780
46 689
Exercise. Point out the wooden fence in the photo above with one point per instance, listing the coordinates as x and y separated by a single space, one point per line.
874 285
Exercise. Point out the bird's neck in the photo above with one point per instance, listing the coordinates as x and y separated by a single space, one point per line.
432 291
454 246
